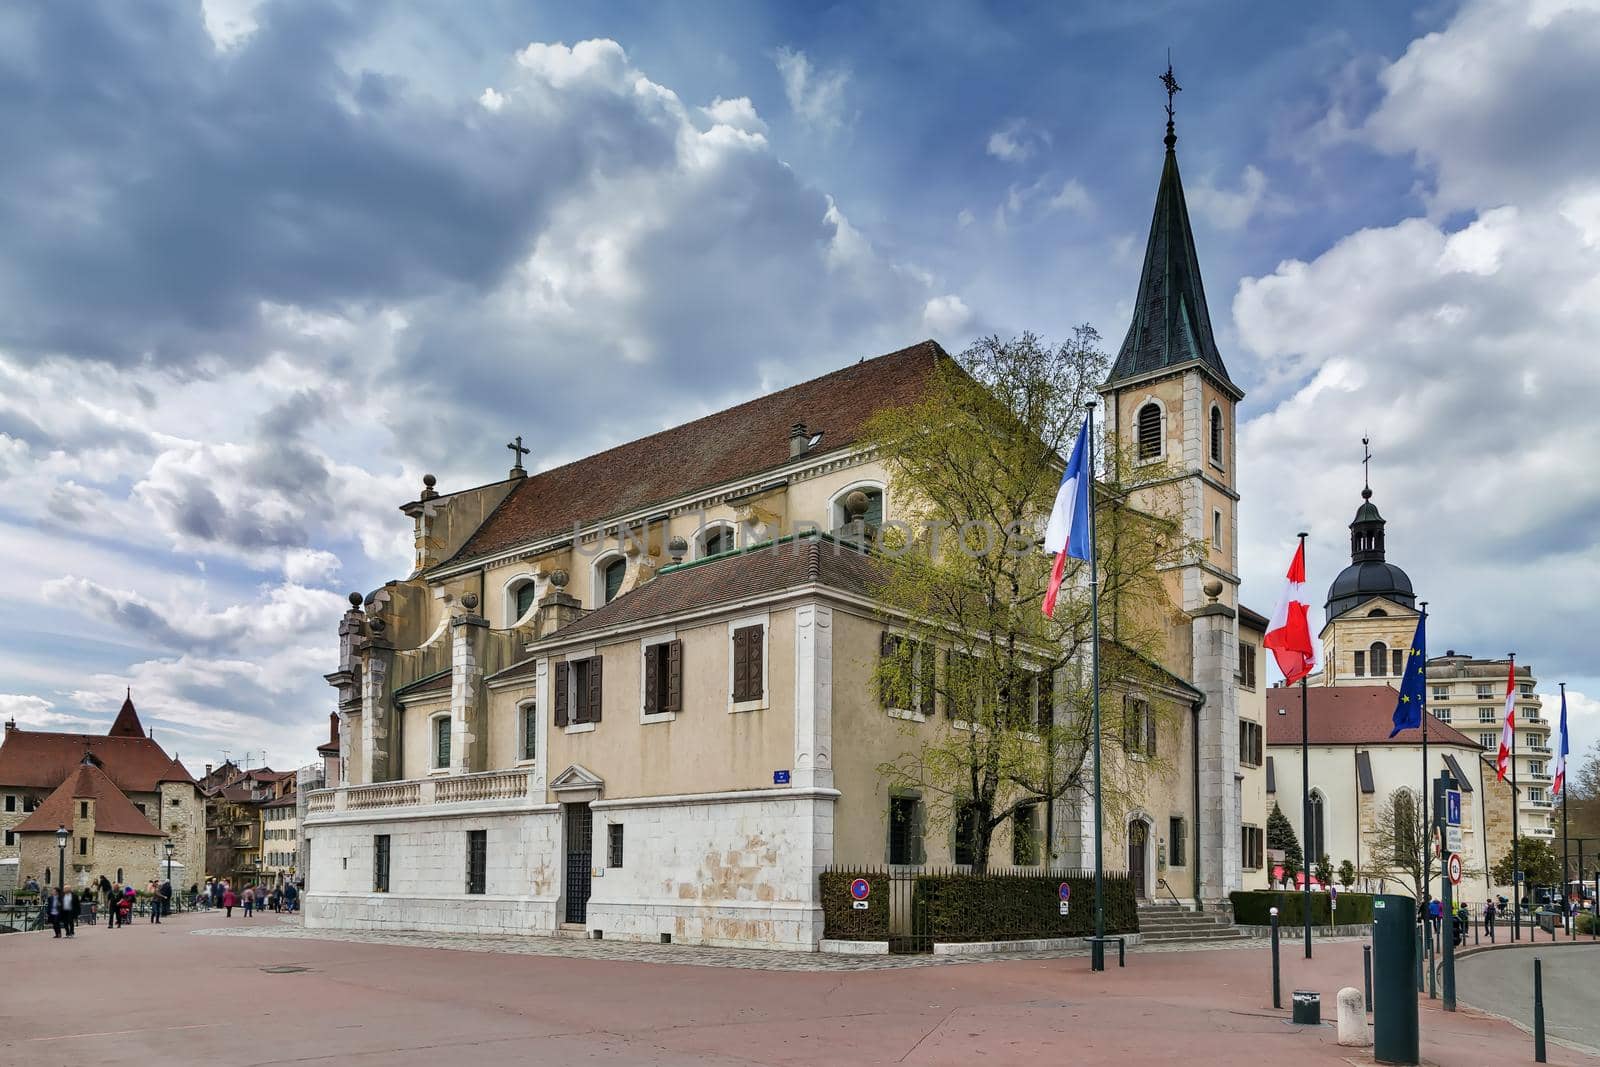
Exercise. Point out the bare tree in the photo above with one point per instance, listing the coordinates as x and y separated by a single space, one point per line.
1400 841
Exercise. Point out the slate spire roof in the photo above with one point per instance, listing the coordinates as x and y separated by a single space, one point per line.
1171 324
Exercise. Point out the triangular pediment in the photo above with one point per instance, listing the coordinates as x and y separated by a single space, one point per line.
1364 610
577 778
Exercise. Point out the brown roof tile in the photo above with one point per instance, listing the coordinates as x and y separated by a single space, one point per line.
127 723
1347 715
724 579
734 443
41 760
114 813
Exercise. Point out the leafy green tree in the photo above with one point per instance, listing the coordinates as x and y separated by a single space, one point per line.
974 467
1347 873
1281 835
1324 870
1539 861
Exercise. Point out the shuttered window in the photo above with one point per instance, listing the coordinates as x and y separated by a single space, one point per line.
1149 431
1247 666
578 691
1216 435
1252 844
663 678
748 682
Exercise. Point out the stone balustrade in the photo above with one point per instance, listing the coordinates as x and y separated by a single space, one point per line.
491 786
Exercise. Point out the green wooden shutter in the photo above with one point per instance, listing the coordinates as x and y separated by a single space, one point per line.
674 676
925 677
594 688
562 669
888 649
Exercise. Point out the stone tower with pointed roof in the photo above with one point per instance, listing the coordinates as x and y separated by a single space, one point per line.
1170 413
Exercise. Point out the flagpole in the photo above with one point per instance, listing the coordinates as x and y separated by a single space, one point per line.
1424 805
1097 955
1516 815
1305 791
1566 858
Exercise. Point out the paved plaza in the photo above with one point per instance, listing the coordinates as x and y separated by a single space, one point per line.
202 989
1502 982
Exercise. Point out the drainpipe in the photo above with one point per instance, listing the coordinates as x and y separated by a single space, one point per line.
1194 754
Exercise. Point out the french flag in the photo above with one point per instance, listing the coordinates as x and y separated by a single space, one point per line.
1067 532
1560 782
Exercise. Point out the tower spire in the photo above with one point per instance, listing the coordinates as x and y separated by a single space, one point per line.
1366 468
1173 88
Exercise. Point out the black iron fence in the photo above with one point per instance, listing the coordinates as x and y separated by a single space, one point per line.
912 908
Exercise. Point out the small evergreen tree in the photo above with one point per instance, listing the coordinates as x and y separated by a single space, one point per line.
1280 835
1347 873
1324 869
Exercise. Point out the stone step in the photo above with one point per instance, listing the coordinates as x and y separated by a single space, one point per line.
1219 934
1153 921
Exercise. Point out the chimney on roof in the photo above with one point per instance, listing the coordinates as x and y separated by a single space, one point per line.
11 724
208 770
797 439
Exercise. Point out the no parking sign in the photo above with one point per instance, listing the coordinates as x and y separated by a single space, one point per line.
860 889
1065 892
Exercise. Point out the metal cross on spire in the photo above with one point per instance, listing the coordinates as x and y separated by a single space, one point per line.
517 452
1173 89
1366 468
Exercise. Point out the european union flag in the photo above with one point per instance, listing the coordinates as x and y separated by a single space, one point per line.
1408 709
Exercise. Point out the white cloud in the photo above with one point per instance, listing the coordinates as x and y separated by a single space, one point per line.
817 97
945 316
964 218
229 22
738 113
310 566
491 100
1017 141
1073 197
1231 209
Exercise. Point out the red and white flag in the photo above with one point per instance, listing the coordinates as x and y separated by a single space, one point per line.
1289 632
1502 761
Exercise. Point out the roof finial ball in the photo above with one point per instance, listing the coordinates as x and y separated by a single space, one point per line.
559 578
1212 589
428 490
856 504
355 600
469 601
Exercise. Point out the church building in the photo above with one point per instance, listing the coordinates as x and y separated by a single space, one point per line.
633 696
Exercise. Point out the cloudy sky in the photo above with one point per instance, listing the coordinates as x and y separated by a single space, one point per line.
262 265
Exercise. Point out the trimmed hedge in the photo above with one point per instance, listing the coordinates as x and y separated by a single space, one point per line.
841 920
1250 908
1006 907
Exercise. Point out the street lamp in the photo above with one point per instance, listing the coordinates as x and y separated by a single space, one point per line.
165 903
61 847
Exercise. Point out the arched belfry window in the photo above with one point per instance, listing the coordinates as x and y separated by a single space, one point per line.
1216 434
1149 430
1316 836
1378 654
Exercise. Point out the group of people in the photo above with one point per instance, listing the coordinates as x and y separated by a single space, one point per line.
119 901
253 898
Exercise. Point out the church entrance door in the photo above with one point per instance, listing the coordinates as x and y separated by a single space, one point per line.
580 838
1138 842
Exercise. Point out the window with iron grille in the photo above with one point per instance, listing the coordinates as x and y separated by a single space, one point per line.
1149 431
380 863
477 860
614 845
1177 834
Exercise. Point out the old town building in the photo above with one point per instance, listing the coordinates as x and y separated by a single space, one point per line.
632 696
118 795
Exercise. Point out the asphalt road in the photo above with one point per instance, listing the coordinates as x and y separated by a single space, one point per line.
1501 981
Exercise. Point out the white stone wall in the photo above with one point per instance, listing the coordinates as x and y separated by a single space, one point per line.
427 872
729 871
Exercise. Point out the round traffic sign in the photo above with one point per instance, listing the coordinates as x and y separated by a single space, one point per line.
1065 891
1455 868
860 888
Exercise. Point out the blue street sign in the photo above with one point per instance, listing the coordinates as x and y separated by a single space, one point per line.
780 777
1452 807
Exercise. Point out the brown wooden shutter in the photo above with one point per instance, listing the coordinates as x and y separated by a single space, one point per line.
594 688
652 678
888 649
674 676
561 692
925 671
741 664
754 649
1149 730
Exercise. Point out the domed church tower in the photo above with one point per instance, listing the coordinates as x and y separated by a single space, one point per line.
1371 609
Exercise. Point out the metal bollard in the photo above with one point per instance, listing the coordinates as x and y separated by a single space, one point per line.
1277 992
1538 1010
1366 972
1421 985
1476 924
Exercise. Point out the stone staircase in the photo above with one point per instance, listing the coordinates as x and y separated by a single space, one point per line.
1167 923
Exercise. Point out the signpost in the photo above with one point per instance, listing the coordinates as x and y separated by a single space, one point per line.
1452 822
1447 817
1065 893
1454 868
860 889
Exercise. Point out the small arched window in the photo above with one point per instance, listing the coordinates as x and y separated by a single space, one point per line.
1377 655
874 513
1216 434
522 599
715 539
1149 430
611 579
1405 829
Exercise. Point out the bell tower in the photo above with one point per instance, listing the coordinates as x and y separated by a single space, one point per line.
1170 411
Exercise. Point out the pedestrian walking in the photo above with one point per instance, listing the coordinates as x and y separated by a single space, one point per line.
166 899
249 901
229 902
125 906
1488 919
70 903
56 911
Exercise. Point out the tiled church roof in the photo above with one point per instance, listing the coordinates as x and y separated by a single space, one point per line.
114 813
737 442
1347 715
41 760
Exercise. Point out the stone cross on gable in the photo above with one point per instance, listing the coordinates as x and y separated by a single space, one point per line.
517 452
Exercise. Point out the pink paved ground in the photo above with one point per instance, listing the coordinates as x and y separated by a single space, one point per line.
150 994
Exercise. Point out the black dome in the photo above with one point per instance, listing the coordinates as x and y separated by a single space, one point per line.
1360 582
